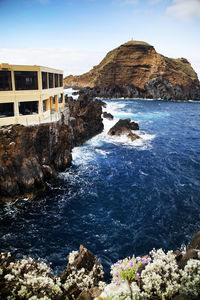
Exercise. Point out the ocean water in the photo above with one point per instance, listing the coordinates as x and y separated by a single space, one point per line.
119 197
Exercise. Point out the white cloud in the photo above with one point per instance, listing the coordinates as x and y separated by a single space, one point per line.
184 9
71 62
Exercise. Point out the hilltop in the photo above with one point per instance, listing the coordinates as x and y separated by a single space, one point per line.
138 64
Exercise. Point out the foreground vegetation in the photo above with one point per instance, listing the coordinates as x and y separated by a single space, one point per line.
158 275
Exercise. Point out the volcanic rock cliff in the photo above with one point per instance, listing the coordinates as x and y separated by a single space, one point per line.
137 65
30 156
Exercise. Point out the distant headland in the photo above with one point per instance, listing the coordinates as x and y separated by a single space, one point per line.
135 69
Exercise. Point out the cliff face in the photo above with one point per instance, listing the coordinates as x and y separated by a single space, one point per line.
135 63
30 156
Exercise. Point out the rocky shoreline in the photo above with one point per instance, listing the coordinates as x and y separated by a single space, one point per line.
157 276
31 156
158 89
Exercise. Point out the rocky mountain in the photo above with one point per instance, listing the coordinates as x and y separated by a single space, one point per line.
137 65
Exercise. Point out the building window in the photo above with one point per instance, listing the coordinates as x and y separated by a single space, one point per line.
28 107
56 80
60 99
45 105
44 80
26 80
50 80
6 110
54 100
5 81
60 80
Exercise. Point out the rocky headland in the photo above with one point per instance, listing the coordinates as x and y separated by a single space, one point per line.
136 70
31 156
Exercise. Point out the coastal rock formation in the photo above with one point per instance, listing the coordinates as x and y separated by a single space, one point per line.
87 116
108 116
159 88
125 127
30 156
78 261
132 70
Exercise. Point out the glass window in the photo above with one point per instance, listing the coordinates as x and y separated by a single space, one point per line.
50 80
54 99
56 80
61 80
28 107
5 81
60 99
44 80
45 105
26 80
6 110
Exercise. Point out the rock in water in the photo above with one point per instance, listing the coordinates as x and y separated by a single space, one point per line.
135 69
108 116
125 127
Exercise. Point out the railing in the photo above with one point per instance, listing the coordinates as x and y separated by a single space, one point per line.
27 120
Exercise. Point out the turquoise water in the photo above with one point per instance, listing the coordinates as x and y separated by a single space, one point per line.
119 197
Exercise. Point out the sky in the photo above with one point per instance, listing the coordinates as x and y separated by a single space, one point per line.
75 35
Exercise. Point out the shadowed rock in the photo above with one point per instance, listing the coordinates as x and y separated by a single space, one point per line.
108 116
31 156
195 243
83 259
125 127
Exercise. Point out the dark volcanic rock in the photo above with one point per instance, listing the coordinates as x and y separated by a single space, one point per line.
195 243
86 261
161 88
192 251
125 127
190 254
158 88
32 155
108 116
88 118
113 91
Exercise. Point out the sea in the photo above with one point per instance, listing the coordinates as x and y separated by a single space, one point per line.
119 197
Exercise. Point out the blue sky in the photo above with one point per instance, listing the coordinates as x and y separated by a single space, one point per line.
74 35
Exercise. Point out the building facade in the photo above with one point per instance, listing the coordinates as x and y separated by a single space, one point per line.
29 94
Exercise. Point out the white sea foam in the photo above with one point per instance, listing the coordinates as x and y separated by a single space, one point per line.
69 93
86 153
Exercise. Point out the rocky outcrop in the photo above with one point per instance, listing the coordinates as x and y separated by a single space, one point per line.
125 127
87 115
162 88
31 156
135 69
82 260
108 116
192 251
159 88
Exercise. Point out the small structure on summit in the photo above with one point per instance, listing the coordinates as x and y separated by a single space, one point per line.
29 94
